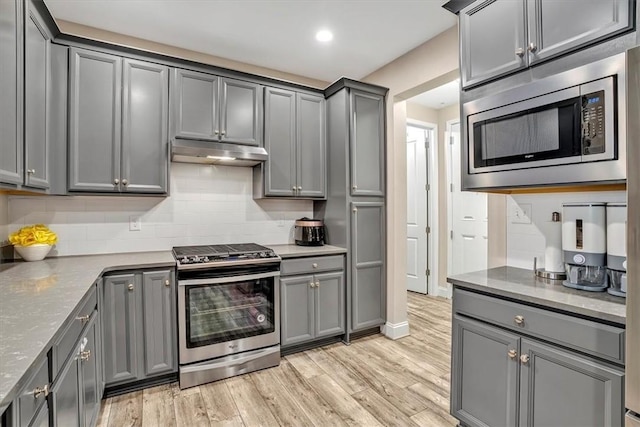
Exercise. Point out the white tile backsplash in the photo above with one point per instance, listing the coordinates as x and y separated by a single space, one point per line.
526 241
207 204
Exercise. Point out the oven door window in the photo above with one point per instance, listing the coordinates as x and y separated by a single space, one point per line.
225 312
542 133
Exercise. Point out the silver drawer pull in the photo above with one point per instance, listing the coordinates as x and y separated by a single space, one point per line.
116 181
317 284
85 355
512 354
532 47
130 286
524 359
520 52
519 320
311 284
83 319
314 265
167 282
41 390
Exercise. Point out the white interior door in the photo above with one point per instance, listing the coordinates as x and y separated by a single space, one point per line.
417 217
468 216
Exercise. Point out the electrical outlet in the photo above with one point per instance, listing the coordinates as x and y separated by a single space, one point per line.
281 220
521 214
135 223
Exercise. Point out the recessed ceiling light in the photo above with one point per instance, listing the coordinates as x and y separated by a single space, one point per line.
324 36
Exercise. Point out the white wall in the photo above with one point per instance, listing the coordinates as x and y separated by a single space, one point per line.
526 241
207 205
4 217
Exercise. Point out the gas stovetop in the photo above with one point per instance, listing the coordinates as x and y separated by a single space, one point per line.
222 255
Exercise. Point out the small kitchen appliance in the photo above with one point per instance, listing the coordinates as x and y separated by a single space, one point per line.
617 248
228 311
584 246
309 232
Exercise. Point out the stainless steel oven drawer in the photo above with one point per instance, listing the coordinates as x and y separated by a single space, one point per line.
311 264
583 335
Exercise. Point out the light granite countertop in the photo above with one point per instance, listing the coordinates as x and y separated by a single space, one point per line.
36 298
521 285
295 251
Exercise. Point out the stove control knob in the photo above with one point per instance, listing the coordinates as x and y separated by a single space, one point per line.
184 260
263 254
205 259
196 259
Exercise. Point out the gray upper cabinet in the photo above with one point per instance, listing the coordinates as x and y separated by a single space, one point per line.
481 363
489 49
145 122
551 33
213 108
37 98
118 124
367 265
297 310
329 304
94 121
294 137
560 388
140 321
367 136
531 31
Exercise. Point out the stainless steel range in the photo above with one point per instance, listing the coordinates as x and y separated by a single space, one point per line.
228 311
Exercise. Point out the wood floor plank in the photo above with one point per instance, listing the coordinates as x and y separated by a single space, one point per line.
385 367
219 403
126 410
252 408
304 365
189 408
285 409
346 406
231 422
382 410
348 379
428 418
157 406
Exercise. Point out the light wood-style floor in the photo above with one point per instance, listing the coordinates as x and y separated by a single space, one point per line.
373 382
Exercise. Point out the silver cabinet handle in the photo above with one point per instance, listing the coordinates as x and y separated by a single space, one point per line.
512 354
130 286
317 284
524 359
85 355
314 265
520 52
355 210
294 188
41 390
519 320
299 188
83 319
355 187
311 284
116 181
125 182
532 47
215 132
31 171
167 282
223 133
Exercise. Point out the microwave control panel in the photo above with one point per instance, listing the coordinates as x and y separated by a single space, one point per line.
593 123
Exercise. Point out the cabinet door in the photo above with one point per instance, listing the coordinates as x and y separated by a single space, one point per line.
159 322
560 388
280 142
296 296
312 154
591 20
484 377
240 112
367 144
66 395
120 324
42 419
11 143
492 39
145 118
94 121
367 265
329 304
89 374
37 97
195 105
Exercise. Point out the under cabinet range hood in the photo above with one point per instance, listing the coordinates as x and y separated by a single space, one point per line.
216 153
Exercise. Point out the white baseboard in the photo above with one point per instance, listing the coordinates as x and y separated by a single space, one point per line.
445 292
395 330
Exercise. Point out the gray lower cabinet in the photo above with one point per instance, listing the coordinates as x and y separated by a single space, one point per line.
90 374
139 326
208 107
294 137
42 419
367 265
366 141
66 395
118 124
502 377
532 31
312 306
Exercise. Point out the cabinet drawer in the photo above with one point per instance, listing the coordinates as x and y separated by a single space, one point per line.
30 400
311 264
583 335
67 342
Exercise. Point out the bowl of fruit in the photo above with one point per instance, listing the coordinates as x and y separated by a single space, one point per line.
33 242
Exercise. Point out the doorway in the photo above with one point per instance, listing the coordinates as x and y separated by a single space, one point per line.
419 139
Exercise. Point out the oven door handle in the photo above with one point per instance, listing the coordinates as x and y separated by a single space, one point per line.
230 279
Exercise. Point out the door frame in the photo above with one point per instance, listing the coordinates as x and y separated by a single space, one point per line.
432 206
448 164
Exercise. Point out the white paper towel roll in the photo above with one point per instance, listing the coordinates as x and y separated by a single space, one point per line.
553 251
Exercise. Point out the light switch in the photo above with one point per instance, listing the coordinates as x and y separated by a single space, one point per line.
135 223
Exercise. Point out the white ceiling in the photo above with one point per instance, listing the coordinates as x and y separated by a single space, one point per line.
439 97
278 34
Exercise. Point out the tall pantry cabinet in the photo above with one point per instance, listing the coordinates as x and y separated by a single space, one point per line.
354 212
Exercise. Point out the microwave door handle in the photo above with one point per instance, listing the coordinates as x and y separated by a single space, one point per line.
231 279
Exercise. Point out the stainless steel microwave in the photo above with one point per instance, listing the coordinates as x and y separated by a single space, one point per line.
564 129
